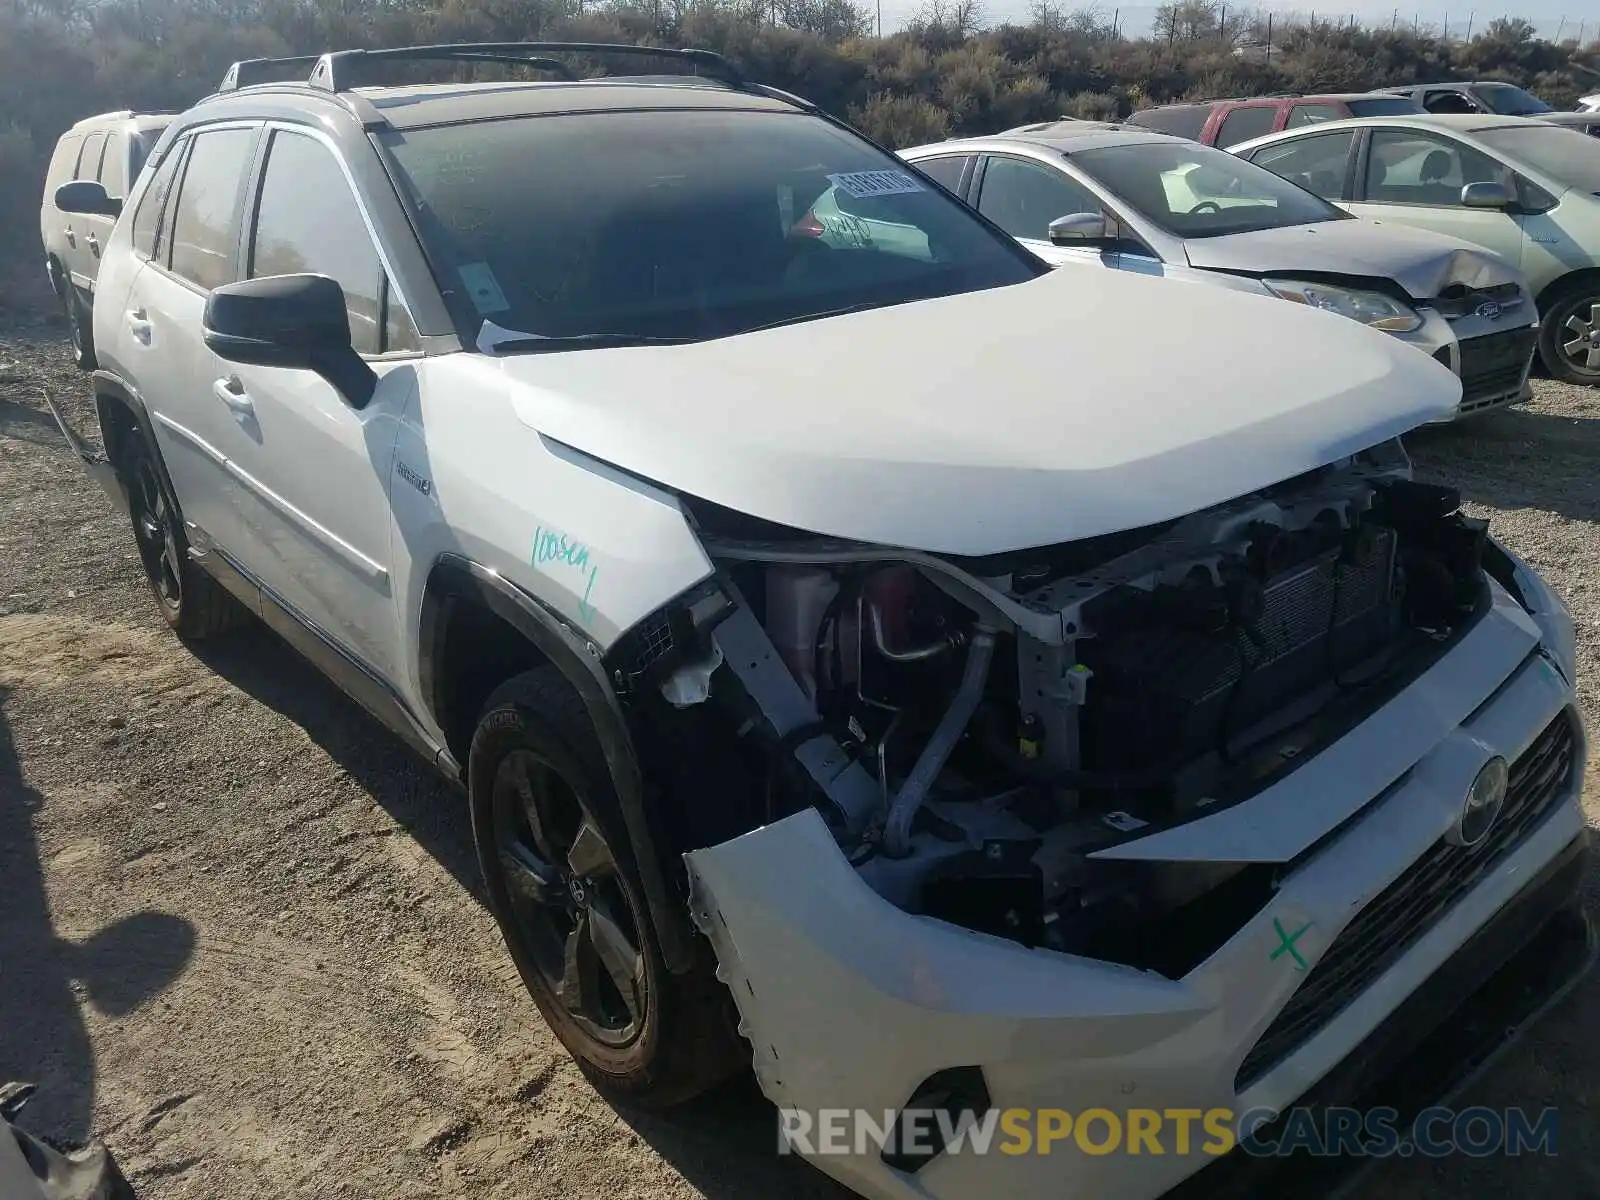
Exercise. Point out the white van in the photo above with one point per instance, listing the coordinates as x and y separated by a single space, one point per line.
109 149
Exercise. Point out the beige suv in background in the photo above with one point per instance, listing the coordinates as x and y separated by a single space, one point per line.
110 150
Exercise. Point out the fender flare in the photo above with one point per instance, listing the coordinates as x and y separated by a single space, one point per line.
579 661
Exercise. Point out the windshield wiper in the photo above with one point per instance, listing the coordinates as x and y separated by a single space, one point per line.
863 306
584 341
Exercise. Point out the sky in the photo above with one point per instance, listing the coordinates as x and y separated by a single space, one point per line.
1547 15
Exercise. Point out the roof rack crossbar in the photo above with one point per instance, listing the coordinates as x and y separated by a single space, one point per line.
339 70
248 71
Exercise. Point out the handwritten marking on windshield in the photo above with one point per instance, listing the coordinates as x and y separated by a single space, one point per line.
554 549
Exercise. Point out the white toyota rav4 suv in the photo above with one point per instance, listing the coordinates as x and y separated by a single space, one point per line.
863 659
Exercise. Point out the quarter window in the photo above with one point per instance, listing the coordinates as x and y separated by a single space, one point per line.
307 220
147 217
1246 122
204 227
1024 197
1317 163
64 159
1407 167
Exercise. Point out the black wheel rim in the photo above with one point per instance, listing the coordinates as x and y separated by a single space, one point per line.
155 529
74 326
1578 336
570 909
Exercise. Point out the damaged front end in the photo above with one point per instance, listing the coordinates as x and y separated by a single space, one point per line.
1027 814
974 732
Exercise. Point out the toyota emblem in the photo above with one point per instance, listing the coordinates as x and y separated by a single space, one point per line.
1483 803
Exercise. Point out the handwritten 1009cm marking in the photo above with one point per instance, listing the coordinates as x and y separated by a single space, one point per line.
551 548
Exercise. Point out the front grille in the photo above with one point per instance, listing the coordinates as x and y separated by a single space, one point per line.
1494 364
1458 301
1383 931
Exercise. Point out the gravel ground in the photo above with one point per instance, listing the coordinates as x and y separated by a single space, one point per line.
241 935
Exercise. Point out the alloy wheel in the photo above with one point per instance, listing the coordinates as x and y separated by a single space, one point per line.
155 530
1580 337
573 913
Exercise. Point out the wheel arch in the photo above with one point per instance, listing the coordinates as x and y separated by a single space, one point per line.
1566 283
463 599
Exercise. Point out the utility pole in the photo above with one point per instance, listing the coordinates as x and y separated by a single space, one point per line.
1116 15
1446 34
1470 15
1269 37
880 18
1222 25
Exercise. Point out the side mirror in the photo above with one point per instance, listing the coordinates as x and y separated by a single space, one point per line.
297 322
87 197
1490 194
1080 229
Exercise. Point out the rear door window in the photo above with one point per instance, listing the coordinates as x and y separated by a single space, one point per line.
1246 122
1181 120
1317 162
64 159
205 225
147 217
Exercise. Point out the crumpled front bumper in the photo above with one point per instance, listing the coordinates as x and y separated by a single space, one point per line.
850 1003
1491 356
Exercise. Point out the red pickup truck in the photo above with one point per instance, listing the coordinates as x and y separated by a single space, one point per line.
1225 123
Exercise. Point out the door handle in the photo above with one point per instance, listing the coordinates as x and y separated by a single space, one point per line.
139 325
94 244
231 392
72 238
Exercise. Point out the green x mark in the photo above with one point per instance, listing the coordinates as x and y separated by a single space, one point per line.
1286 943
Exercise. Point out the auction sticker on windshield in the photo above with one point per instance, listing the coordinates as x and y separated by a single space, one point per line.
865 184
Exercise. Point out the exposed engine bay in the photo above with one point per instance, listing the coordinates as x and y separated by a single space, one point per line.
974 730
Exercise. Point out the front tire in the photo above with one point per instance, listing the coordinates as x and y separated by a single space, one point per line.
1569 335
570 907
192 603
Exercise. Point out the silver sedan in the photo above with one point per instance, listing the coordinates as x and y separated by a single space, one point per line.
1095 194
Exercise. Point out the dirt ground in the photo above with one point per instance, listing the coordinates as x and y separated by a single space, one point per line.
242 938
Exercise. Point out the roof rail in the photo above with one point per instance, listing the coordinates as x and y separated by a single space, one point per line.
249 71
340 70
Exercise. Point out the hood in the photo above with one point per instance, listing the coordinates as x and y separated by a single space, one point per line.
1062 408
1422 263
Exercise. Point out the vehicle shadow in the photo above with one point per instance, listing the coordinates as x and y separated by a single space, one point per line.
725 1143
258 662
1517 459
47 977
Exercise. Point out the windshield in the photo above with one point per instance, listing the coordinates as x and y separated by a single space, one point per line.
682 224
1387 106
1194 191
1568 156
1510 101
